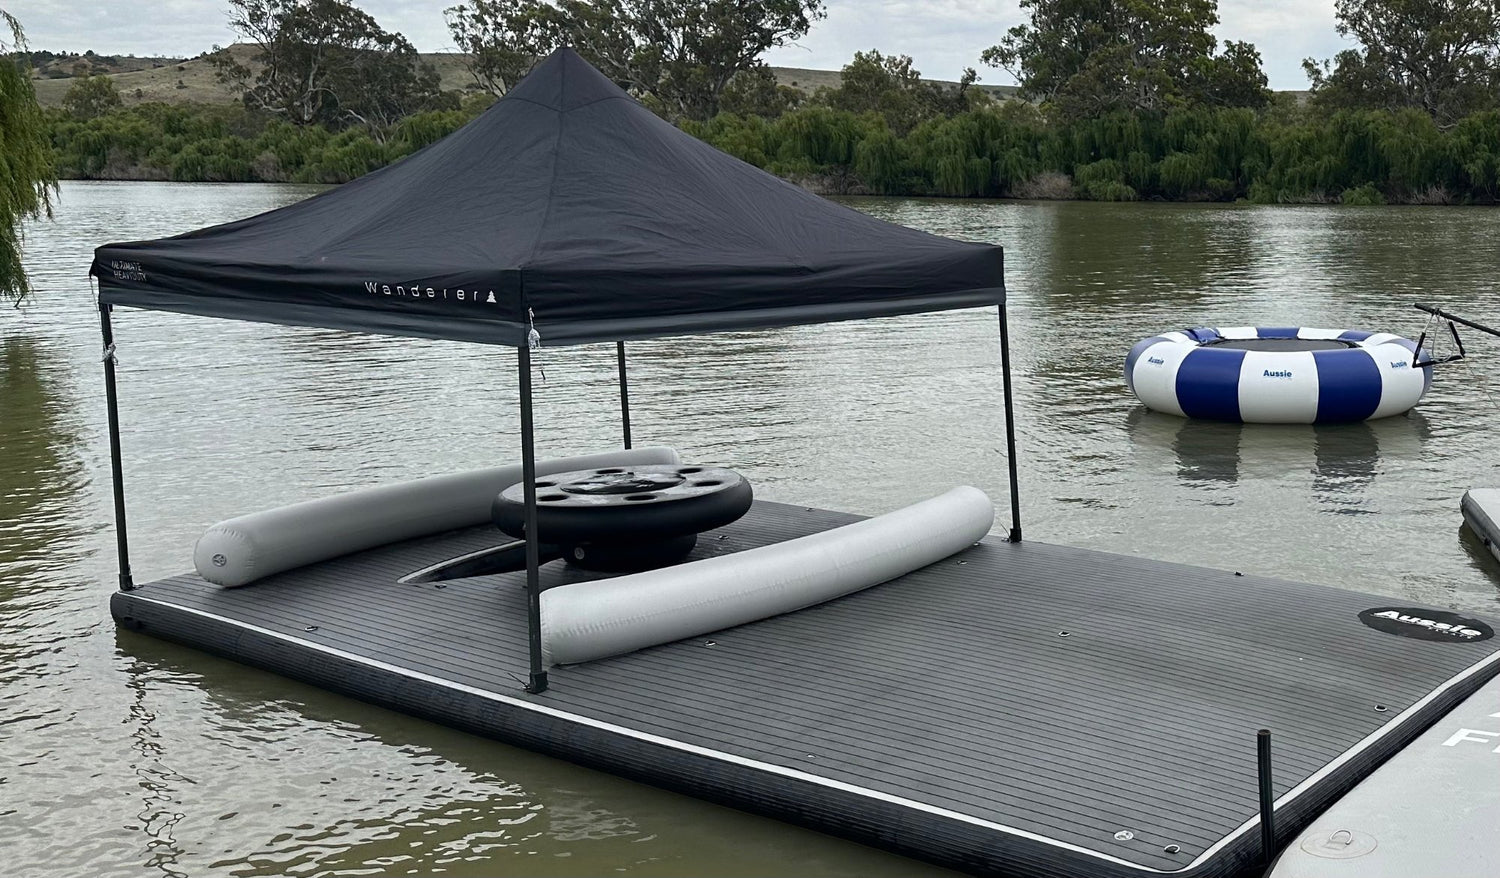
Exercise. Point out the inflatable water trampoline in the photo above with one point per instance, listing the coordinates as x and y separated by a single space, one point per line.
1289 375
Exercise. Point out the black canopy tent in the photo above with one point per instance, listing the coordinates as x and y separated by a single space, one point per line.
566 212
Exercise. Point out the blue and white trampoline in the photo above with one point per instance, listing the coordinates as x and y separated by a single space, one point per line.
1278 375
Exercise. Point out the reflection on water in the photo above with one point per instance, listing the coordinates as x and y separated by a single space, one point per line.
394 795
40 475
160 808
1343 460
122 755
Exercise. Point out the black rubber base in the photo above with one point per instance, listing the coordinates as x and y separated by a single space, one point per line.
627 557
622 517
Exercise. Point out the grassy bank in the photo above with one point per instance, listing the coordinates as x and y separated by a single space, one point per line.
1005 150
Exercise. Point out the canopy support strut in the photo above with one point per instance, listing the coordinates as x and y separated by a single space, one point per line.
624 392
538 679
116 470
1010 429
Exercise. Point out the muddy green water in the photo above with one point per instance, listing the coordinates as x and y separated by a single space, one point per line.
121 755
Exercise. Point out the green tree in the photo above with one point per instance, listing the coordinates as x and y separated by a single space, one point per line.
327 62
755 92
91 97
872 81
27 181
889 85
679 56
877 83
503 39
1440 56
1089 57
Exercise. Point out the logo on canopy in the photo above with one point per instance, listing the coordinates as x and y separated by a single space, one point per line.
418 291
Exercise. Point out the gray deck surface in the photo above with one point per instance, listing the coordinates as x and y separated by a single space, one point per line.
953 686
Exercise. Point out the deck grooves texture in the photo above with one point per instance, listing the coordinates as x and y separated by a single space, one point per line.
952 686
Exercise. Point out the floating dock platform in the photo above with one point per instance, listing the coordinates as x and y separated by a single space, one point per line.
1019 708
1433 809
1481 510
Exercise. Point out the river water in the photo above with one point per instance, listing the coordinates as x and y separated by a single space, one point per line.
122 755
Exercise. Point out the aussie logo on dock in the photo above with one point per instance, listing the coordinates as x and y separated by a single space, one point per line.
1422 624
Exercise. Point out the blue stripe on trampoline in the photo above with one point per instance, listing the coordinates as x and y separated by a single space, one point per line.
1203 334
1135 354
1349 385
1276 331
1354 335
1208 383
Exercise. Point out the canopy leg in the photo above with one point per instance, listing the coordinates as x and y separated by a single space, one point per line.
538 679
116 470
624 391
1010 430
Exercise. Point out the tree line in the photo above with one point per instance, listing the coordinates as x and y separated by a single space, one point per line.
1119 100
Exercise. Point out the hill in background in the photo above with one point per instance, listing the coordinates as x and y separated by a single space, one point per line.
180 81
48 65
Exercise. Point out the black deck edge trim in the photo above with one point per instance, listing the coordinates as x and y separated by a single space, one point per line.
906 827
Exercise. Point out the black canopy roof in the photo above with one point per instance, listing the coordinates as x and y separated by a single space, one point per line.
570 199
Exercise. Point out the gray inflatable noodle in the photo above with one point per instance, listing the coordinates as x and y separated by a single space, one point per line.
605 617
251 547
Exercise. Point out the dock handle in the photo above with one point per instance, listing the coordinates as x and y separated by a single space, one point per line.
1267 797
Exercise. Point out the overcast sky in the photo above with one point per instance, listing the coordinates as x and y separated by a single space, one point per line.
942 36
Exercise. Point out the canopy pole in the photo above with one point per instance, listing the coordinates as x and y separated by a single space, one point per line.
538 680
624 391
116 470
1010 429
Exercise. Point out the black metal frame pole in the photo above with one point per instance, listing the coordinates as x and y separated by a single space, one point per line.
538 679
116 469
624 391
1010 430
1267 795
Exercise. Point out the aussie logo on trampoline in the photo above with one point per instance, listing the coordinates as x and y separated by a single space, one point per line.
417 291
1420 624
